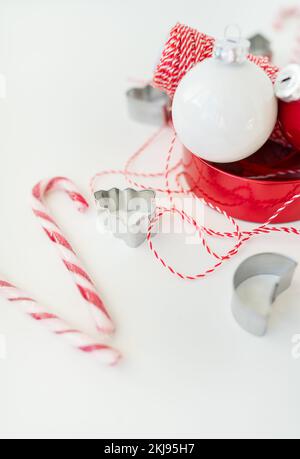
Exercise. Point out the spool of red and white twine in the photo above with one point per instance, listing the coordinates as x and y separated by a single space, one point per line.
81 341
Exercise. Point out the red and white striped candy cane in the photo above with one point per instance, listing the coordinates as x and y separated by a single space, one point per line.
82 280
81 341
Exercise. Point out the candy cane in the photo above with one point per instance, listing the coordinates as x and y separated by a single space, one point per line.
284 15
82 280
81 341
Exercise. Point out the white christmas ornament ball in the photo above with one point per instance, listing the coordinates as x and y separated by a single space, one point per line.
224 112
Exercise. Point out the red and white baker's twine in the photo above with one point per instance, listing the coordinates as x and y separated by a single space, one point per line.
241 236
184 49
83 282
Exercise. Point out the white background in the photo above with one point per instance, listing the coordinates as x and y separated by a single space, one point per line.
188 370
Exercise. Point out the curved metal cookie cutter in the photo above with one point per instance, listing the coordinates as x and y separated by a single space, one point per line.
126 213
262 264
149 105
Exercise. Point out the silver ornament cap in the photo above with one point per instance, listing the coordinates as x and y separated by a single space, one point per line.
287 85
232 49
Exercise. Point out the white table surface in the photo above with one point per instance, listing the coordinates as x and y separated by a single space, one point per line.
188 371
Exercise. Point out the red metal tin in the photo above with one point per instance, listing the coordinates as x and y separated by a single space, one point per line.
236 189
289 114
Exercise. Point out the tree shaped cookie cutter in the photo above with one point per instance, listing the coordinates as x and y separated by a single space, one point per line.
149 105
126 213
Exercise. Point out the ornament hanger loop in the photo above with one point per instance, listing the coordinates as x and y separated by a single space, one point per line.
228 35
232 49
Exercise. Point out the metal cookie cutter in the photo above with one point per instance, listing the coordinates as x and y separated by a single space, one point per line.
287 85
149 105
260 46
126 213
262 264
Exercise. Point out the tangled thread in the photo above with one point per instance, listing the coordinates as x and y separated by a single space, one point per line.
185 48
203 232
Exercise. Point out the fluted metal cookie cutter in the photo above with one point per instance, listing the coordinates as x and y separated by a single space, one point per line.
260 46
287 84
149 105
126 213
263 264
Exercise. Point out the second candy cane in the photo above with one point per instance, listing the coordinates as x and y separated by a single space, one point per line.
52 322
